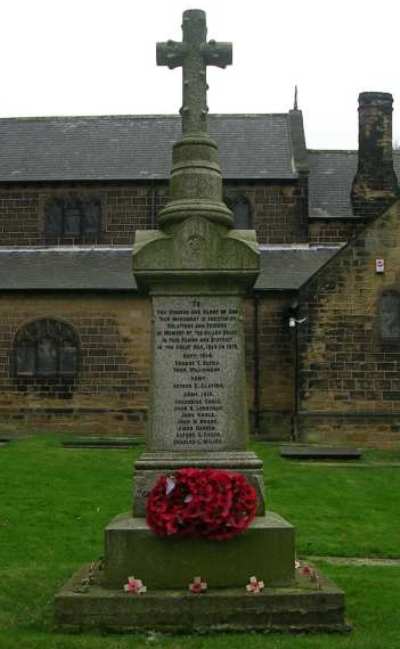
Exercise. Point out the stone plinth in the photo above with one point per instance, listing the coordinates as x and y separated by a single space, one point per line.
152 465
266 548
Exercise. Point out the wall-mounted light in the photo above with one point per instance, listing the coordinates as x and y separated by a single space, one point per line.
293 322
293 312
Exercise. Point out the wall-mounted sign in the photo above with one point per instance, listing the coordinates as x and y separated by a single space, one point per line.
380 265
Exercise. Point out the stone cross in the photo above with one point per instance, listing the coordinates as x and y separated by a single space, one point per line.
193 54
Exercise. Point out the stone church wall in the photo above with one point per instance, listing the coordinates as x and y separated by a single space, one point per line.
276 211
270 366
109 394
124 209
333 231
349 347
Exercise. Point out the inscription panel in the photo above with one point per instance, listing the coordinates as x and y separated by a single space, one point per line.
198 398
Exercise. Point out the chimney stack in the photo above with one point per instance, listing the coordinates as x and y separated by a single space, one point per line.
375 184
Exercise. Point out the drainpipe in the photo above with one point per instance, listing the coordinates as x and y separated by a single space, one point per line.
296 387
256 369
294 322
154 205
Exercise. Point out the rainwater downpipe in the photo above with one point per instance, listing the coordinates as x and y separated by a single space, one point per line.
296 385
256 369
154 205
294 323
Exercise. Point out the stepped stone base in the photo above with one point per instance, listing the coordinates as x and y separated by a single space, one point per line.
265 549
82 606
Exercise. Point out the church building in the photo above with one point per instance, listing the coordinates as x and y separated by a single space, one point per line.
323 319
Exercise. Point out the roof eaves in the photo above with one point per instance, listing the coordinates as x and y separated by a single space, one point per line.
340 151
128 116
323 266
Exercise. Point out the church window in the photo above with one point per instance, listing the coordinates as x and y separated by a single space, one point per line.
240 207
46 349
389 317
73 218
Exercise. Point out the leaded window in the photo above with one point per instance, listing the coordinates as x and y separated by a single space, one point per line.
46 349
240 207
389 316
73 219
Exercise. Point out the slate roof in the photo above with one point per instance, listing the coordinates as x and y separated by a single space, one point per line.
109 269
138 147
286 268
105 269
330 180
120 148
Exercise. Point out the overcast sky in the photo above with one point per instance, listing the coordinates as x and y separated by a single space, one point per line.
97 57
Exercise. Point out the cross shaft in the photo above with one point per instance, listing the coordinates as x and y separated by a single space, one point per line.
194 54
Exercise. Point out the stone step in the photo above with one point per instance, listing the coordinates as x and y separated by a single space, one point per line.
265 549
84 604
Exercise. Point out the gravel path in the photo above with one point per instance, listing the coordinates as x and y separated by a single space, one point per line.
357 561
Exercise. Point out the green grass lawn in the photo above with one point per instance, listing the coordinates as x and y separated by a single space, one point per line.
54 504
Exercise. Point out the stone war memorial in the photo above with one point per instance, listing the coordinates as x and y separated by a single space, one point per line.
197 270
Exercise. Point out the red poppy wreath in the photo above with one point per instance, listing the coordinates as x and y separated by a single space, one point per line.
207 503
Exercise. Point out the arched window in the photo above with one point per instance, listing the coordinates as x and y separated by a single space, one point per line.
74 219
389 316
240 207
46 349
